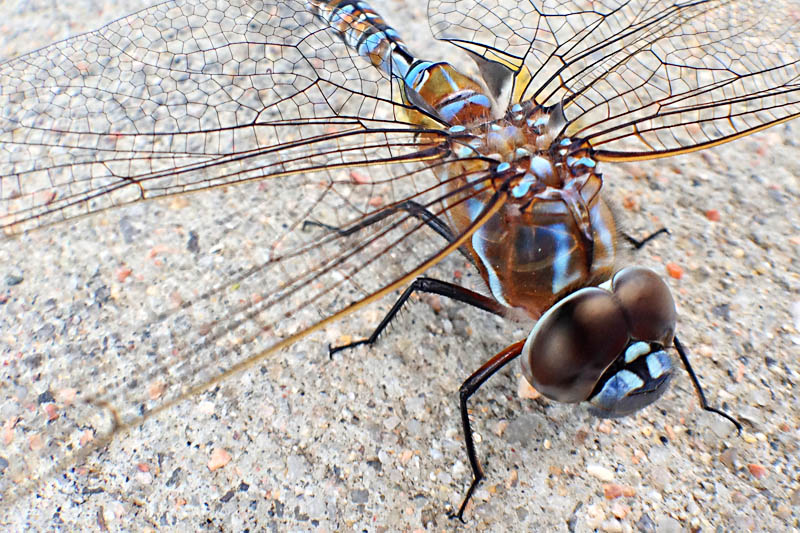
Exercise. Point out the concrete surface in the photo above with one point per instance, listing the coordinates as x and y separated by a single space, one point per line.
371 440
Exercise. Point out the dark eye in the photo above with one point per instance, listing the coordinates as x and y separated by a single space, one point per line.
606 347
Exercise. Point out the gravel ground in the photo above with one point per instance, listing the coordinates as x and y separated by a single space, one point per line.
371 441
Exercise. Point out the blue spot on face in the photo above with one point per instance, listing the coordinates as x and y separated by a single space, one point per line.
635 350
658 364
616 388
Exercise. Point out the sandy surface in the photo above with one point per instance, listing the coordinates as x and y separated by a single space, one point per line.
371 440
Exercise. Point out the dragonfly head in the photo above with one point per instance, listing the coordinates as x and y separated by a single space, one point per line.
605 345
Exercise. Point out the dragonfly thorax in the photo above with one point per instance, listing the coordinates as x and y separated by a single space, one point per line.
554 234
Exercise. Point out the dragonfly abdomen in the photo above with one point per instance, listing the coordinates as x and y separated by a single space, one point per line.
439 92
364 30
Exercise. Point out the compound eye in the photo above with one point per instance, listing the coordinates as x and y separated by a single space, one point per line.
647 304
573 343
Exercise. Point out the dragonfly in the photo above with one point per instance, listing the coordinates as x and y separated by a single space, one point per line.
305 102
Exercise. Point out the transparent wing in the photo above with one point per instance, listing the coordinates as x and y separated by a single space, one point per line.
194 95
641 78
185 96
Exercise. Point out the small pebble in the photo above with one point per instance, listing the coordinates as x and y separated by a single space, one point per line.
511 480
219 458
155 390
614 490
406 456
631 203
757 471
646 524
605 426
391 422
12 279
51 411
123 273
674 270
525 390
86 437
600 472
359 496
66 395
784 512
35 442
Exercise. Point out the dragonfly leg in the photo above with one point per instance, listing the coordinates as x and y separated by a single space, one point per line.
467 389
415 209
638 243
432 286
698 389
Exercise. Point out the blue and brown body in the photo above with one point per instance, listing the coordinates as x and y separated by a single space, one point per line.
553 240
555 233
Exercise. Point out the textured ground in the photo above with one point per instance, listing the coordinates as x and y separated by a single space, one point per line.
371 440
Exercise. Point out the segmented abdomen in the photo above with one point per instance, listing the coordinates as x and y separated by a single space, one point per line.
365 31
438 90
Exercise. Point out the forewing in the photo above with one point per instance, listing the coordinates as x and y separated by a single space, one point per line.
184 96
189 96
642 78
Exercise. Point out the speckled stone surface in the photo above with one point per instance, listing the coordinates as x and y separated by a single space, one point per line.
371 440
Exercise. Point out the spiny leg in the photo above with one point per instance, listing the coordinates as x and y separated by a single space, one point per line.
415 209
639 243
455 292
698 389
467 389
432 286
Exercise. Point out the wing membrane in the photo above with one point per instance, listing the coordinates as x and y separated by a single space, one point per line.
184 96
641 78
199 95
